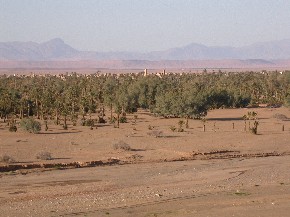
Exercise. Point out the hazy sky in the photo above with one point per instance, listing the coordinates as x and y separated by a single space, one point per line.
144 25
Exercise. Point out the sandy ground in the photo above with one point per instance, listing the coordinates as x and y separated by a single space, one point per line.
154 181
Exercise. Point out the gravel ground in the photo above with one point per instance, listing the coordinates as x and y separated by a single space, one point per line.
237 187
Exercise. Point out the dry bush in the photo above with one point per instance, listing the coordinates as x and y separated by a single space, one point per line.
6 159
254 129
44 155
121 145
30 125
172 128
89 123
280 116
156 133
12 128
123 119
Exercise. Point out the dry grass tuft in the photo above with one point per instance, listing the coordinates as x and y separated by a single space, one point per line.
44 155
280 116
156 133
121 145
6 159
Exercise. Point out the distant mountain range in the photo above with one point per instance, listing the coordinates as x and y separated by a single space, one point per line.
274 53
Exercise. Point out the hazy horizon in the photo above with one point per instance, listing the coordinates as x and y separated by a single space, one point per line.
142 26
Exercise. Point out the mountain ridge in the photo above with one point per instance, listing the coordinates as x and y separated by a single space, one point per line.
56 53
57 49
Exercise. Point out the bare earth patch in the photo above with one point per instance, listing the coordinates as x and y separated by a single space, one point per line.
224 171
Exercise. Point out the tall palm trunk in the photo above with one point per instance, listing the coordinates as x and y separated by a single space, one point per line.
111 108
186 123
37 109
65 120
118 119
56 117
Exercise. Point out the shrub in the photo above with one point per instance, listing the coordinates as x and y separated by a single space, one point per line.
156 133
113 120
6 159
12 128
74 119
172 128
30 125
101 120
135 119
180 124
123 119
44 155
280 117
254 129
83 122
121 145
89 123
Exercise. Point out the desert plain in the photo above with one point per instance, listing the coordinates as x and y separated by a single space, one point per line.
216 167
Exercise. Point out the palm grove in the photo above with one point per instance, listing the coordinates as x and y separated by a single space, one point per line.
76 97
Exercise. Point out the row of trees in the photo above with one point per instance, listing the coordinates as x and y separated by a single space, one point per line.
176 95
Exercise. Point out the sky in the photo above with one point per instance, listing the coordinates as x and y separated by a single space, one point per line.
144 25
